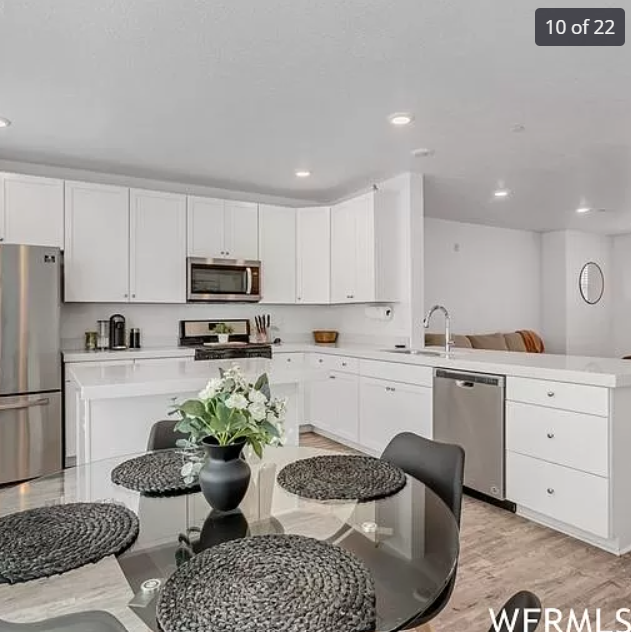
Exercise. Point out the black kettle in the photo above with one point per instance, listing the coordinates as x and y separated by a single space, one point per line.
117 332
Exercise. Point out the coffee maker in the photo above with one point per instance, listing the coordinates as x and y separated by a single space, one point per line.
117 332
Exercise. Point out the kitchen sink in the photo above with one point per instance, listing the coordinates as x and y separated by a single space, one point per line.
421 352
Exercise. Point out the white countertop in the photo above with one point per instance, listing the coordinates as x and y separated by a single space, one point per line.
136 380
610 372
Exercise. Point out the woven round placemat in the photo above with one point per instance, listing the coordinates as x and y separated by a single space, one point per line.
51 540
155 474
269 583
342 477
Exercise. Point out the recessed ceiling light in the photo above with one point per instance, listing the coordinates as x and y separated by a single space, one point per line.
302 173
501 193
400 118
518 128
423 152
584 209
4 122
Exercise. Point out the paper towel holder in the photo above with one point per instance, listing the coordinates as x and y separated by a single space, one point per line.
379 312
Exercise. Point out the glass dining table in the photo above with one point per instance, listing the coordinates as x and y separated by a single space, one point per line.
409 541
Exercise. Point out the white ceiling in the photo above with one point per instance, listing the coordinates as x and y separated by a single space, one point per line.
240 93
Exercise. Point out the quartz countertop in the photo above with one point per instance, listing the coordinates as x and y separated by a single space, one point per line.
134 380
81 355
610 372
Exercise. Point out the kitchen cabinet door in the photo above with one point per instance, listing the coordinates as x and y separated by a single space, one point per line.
157 247
277 247
205 227
388 408
241 230
343 393
343 252
320 406
313 255
31 210
96 262
364 240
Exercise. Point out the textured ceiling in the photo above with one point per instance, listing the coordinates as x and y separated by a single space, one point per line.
238 94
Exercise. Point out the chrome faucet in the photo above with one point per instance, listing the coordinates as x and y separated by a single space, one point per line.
440 308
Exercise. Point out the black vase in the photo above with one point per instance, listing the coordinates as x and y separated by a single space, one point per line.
225 476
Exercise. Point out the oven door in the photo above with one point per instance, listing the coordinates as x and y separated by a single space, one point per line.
217 280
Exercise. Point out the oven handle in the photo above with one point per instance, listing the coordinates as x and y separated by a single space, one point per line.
248 276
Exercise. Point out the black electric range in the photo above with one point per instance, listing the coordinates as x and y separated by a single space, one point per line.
201 335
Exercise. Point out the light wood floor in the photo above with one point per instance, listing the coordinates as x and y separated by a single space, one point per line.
502 553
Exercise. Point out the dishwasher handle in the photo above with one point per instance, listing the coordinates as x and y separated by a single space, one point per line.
465 379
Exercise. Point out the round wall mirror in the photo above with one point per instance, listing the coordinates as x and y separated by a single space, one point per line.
591 283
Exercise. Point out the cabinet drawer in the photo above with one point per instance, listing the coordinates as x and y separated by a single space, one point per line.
342 364
592 400
397 372
573 439
280 360
575 498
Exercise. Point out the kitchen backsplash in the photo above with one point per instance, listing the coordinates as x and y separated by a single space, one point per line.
158 324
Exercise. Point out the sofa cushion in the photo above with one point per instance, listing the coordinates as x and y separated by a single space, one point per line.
489 341
515 342
438 340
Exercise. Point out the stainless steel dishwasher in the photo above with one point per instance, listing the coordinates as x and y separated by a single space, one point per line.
469 411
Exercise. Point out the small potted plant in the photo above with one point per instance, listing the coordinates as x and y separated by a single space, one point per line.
229 413
223 332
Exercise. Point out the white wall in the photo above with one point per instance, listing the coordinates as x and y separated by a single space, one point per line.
488 278
620 286
570 325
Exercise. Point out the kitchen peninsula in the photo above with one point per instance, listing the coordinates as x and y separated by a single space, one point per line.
116 405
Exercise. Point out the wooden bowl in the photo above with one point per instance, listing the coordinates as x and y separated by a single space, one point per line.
324 336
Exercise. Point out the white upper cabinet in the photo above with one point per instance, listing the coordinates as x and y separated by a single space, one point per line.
31 210
241 230
277 248
157 225
313 255
96 262
222 229
365 249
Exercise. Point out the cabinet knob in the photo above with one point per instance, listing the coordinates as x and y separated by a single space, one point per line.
550 491
550 393
133 296
332 377
288 359
550 435
320 360
126 295
343 363
392 389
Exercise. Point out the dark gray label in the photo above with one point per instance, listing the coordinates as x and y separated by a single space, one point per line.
579 27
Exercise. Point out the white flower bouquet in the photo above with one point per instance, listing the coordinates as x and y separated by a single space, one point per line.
231 410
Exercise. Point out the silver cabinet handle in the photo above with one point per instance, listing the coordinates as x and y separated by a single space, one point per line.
332 377
550 435
550 491
464 384
44 401
550 393
248 276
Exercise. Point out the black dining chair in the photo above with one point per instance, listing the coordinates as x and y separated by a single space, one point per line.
89 621
513 613
440 466
163 435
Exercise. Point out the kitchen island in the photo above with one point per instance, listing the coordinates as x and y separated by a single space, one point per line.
117 404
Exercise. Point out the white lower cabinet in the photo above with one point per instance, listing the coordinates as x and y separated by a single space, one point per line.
387 408
570 496
333 405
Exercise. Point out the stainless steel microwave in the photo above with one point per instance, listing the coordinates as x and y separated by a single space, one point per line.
218 280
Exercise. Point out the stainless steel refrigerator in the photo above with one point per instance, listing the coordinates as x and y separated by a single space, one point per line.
30 362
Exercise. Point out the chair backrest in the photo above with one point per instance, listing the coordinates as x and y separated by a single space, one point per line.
439 465
163 435
514 611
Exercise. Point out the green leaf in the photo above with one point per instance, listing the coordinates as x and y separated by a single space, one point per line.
192 408
262 384
270 429
256 446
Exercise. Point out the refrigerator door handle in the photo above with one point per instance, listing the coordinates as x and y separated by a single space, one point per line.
43 401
